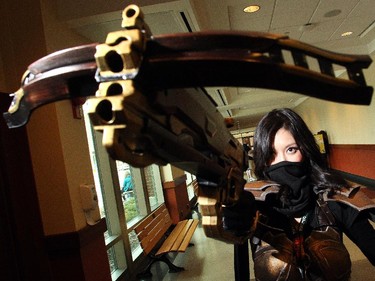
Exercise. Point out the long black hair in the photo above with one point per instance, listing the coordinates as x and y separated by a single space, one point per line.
289 120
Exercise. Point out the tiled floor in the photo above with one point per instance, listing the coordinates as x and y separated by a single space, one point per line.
212 260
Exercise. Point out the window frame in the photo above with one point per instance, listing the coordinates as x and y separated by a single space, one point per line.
107 184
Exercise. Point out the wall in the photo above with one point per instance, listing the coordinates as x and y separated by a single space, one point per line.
350 129
58 145
170 173
21 36
354 159
345 124
54 156
69 164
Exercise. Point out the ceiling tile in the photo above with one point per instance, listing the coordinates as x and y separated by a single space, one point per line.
165 22
259 21
97 32
290 13
354 24
293 32
321 31
364 7
333 9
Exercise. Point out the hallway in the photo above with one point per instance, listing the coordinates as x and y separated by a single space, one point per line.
207 260
212 260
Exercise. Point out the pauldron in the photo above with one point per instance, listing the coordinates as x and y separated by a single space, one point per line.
261 189
351 195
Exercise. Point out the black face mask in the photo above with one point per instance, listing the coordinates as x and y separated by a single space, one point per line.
295 191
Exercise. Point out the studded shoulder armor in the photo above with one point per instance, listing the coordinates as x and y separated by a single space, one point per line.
352 195
260 189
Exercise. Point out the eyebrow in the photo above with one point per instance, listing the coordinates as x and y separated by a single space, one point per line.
293 144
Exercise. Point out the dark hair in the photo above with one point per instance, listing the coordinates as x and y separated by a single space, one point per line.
291 121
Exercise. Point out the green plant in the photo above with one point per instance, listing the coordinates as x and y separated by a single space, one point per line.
130 208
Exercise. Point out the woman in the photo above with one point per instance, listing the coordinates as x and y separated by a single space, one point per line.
303 208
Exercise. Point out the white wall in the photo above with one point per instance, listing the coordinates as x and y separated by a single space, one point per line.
345 124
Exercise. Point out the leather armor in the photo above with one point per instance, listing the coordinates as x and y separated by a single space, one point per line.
321 256
317 255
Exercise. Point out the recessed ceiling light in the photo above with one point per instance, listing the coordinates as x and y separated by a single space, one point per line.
347 33
251 9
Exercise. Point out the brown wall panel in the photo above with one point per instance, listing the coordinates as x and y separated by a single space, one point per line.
354 159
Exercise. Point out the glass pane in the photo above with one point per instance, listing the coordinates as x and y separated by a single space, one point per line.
132 194
125 179
94 164
112 259
116 257
154 186
134 245
189 183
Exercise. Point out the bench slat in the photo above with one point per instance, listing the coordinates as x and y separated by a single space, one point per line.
185 237
155 238
157 221
180 237
188 236
152 229
143 224
168 243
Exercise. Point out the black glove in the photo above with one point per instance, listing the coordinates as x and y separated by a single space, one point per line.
239 218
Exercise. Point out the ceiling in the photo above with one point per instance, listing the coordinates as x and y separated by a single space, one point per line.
317 22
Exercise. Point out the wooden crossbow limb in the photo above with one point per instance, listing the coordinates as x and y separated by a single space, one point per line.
134 84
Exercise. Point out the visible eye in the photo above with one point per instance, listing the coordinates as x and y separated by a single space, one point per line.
292 149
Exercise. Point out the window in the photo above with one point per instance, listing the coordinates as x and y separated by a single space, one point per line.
126 195
189 183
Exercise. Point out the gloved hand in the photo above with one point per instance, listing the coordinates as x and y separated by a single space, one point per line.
239 218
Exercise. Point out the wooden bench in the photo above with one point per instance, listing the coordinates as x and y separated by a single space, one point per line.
157 239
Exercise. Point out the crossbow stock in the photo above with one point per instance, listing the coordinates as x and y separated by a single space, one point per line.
146 95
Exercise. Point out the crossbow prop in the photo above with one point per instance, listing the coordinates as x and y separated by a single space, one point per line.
145 93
